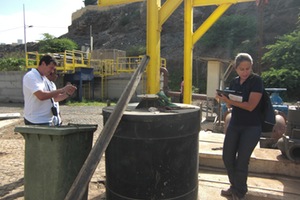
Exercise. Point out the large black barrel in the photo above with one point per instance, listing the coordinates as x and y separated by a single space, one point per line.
153 155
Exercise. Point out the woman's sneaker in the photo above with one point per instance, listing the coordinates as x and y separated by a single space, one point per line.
227 192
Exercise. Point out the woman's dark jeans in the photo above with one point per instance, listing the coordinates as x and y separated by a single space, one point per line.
238 146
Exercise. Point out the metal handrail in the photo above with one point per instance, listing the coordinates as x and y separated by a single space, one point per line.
68 61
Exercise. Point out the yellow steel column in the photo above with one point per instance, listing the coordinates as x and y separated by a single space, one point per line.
153 46
188 51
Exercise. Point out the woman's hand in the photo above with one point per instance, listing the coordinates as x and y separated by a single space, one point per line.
225 99
222 97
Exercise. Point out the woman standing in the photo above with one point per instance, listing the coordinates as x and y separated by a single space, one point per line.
244 129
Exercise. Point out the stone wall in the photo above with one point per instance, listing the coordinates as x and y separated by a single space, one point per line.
11 86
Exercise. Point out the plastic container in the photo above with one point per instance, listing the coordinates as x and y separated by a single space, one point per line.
153 155
53 158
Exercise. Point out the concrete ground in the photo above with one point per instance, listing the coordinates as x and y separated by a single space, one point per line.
272 176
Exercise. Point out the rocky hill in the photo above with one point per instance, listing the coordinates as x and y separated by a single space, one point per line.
124 27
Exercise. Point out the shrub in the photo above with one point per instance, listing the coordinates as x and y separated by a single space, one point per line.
12 64
283 78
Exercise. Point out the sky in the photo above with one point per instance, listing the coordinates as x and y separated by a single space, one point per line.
41 16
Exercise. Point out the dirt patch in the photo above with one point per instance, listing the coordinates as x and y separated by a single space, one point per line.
7 132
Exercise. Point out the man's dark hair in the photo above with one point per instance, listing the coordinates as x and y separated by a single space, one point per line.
47 59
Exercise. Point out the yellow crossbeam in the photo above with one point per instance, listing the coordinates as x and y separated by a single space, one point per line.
205 26
167 9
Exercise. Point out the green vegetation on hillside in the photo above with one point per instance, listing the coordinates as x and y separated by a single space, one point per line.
50 44
234 33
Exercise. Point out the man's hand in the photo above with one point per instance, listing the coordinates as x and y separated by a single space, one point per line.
70 89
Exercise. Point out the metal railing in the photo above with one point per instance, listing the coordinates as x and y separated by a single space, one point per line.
68 61
104 68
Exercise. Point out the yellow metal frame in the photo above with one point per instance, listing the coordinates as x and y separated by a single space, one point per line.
68 61
103 68
157 14
191 37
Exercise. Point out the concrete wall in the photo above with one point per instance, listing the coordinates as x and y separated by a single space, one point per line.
117 84
113 88
11 87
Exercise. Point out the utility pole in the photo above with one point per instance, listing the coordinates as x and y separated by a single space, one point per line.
91 38
25 26
25 44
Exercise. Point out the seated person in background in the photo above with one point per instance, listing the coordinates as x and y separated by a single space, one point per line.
52 77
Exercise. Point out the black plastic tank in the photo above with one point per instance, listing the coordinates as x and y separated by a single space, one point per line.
153 155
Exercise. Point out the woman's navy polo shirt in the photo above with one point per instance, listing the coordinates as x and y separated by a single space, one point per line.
241 117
